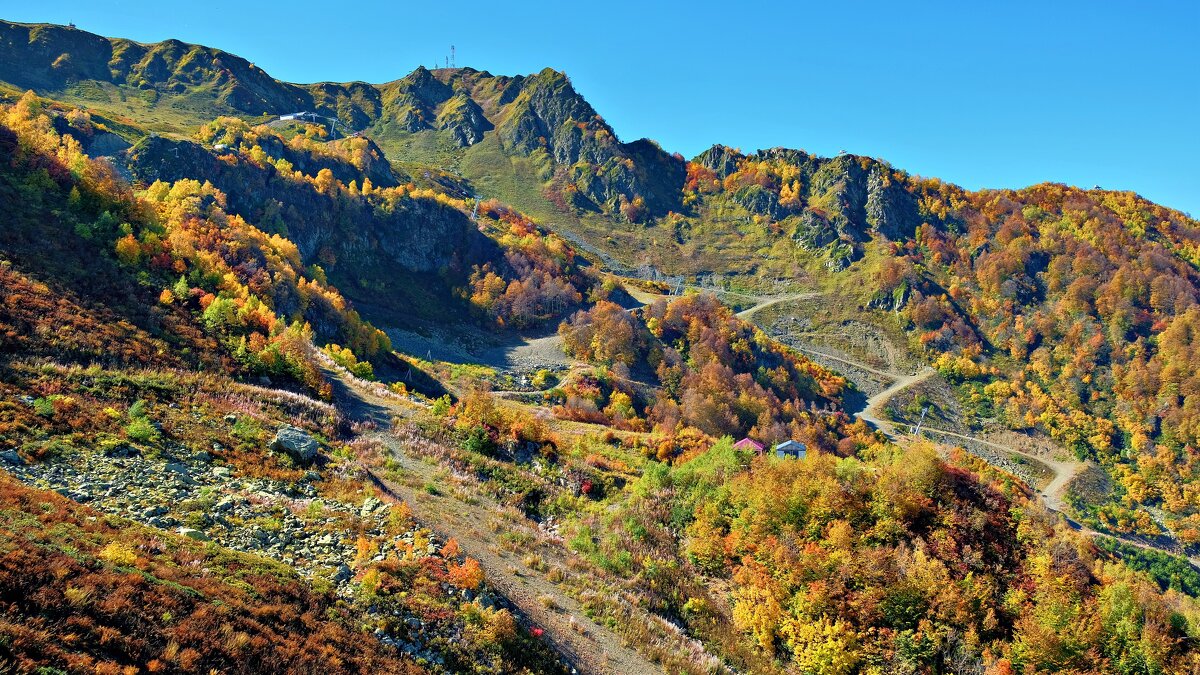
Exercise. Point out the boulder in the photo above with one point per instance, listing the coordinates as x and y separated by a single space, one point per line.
369 506
181 471
193 534
121 450
297 443
11 457
342 574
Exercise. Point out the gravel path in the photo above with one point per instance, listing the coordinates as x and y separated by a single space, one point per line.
764 302
503 352
588 646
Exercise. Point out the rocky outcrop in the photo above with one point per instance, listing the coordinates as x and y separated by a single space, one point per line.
720 159
422 88
757 199
418 235
814 231
890 209
411 104
895 299
357 104
841 183
381 256
464 119
547 114
297 444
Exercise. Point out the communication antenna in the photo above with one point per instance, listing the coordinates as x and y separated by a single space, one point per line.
452 63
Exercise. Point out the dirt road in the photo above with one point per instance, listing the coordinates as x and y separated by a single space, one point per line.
586 645
765 301
1053 494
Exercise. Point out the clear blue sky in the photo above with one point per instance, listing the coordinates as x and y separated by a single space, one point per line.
998 94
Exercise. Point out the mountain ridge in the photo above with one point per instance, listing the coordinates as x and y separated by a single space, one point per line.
465 102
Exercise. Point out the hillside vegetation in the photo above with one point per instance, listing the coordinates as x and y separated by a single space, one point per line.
129 325
214 456
1059 310
106 596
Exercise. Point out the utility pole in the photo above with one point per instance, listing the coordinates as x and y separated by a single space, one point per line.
921 421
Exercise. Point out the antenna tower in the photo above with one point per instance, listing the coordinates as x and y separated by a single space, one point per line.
452 64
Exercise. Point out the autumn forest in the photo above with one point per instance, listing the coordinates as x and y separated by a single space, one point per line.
440 375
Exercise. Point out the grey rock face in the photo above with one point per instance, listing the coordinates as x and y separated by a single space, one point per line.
369 505
720 159
463 117
756 199
296 443
814 232
890 209
180 469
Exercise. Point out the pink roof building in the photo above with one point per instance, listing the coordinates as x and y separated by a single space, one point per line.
749 445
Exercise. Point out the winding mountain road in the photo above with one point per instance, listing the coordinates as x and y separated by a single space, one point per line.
1053 495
